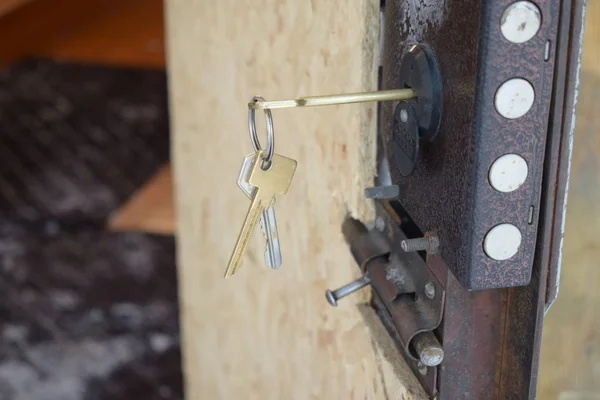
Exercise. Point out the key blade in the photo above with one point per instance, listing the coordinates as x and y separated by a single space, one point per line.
278 178
269 227
240 245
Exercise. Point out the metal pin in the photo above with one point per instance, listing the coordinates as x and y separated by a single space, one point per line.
428 348
328 100
334 296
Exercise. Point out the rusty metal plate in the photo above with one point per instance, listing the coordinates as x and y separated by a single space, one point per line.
449 191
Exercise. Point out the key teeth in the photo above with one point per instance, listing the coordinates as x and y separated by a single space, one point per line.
268 263
264 233
262 227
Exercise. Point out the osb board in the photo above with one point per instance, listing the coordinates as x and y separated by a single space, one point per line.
570 358
264 334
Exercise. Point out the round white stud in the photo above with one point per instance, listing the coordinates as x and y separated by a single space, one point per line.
520 21
508 173
514 98
502 242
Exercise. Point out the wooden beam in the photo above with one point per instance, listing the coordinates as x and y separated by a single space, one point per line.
99 31
262 333
7 6
150 209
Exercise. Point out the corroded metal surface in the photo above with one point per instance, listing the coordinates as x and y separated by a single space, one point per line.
449 191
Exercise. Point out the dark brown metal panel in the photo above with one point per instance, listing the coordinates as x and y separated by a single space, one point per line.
449 191
472 333
491 338
495 136
514 317
436 194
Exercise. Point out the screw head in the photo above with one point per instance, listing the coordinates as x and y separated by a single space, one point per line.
430 290
380 224
403 115
330 298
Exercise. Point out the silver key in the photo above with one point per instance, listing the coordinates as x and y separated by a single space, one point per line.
268 224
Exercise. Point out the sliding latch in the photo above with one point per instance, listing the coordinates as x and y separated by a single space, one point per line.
406 294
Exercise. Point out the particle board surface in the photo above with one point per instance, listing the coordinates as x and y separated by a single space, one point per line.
270 334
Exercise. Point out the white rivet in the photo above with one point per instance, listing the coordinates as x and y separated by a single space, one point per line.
508 173
520 21
502 242
514 98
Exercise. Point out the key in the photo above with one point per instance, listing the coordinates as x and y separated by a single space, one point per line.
268 183
268 224
328 100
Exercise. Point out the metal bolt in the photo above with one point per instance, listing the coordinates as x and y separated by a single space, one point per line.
380 224
382 192
428 348
514 98
333 296
502 242
419 244
403 115
430 290
520 22
428 243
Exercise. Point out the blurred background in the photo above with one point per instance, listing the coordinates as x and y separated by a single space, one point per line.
88 291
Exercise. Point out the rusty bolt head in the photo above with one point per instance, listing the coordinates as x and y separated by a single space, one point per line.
430 290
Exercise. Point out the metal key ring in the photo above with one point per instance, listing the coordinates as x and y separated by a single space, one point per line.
270 149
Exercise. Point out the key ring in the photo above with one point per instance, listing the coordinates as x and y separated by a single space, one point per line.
270 150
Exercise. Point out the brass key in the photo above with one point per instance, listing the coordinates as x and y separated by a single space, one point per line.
274 180
333 99
268 223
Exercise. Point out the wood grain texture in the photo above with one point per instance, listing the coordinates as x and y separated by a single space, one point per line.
570 358
100 31
115 32
264 334
7 6
150 209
